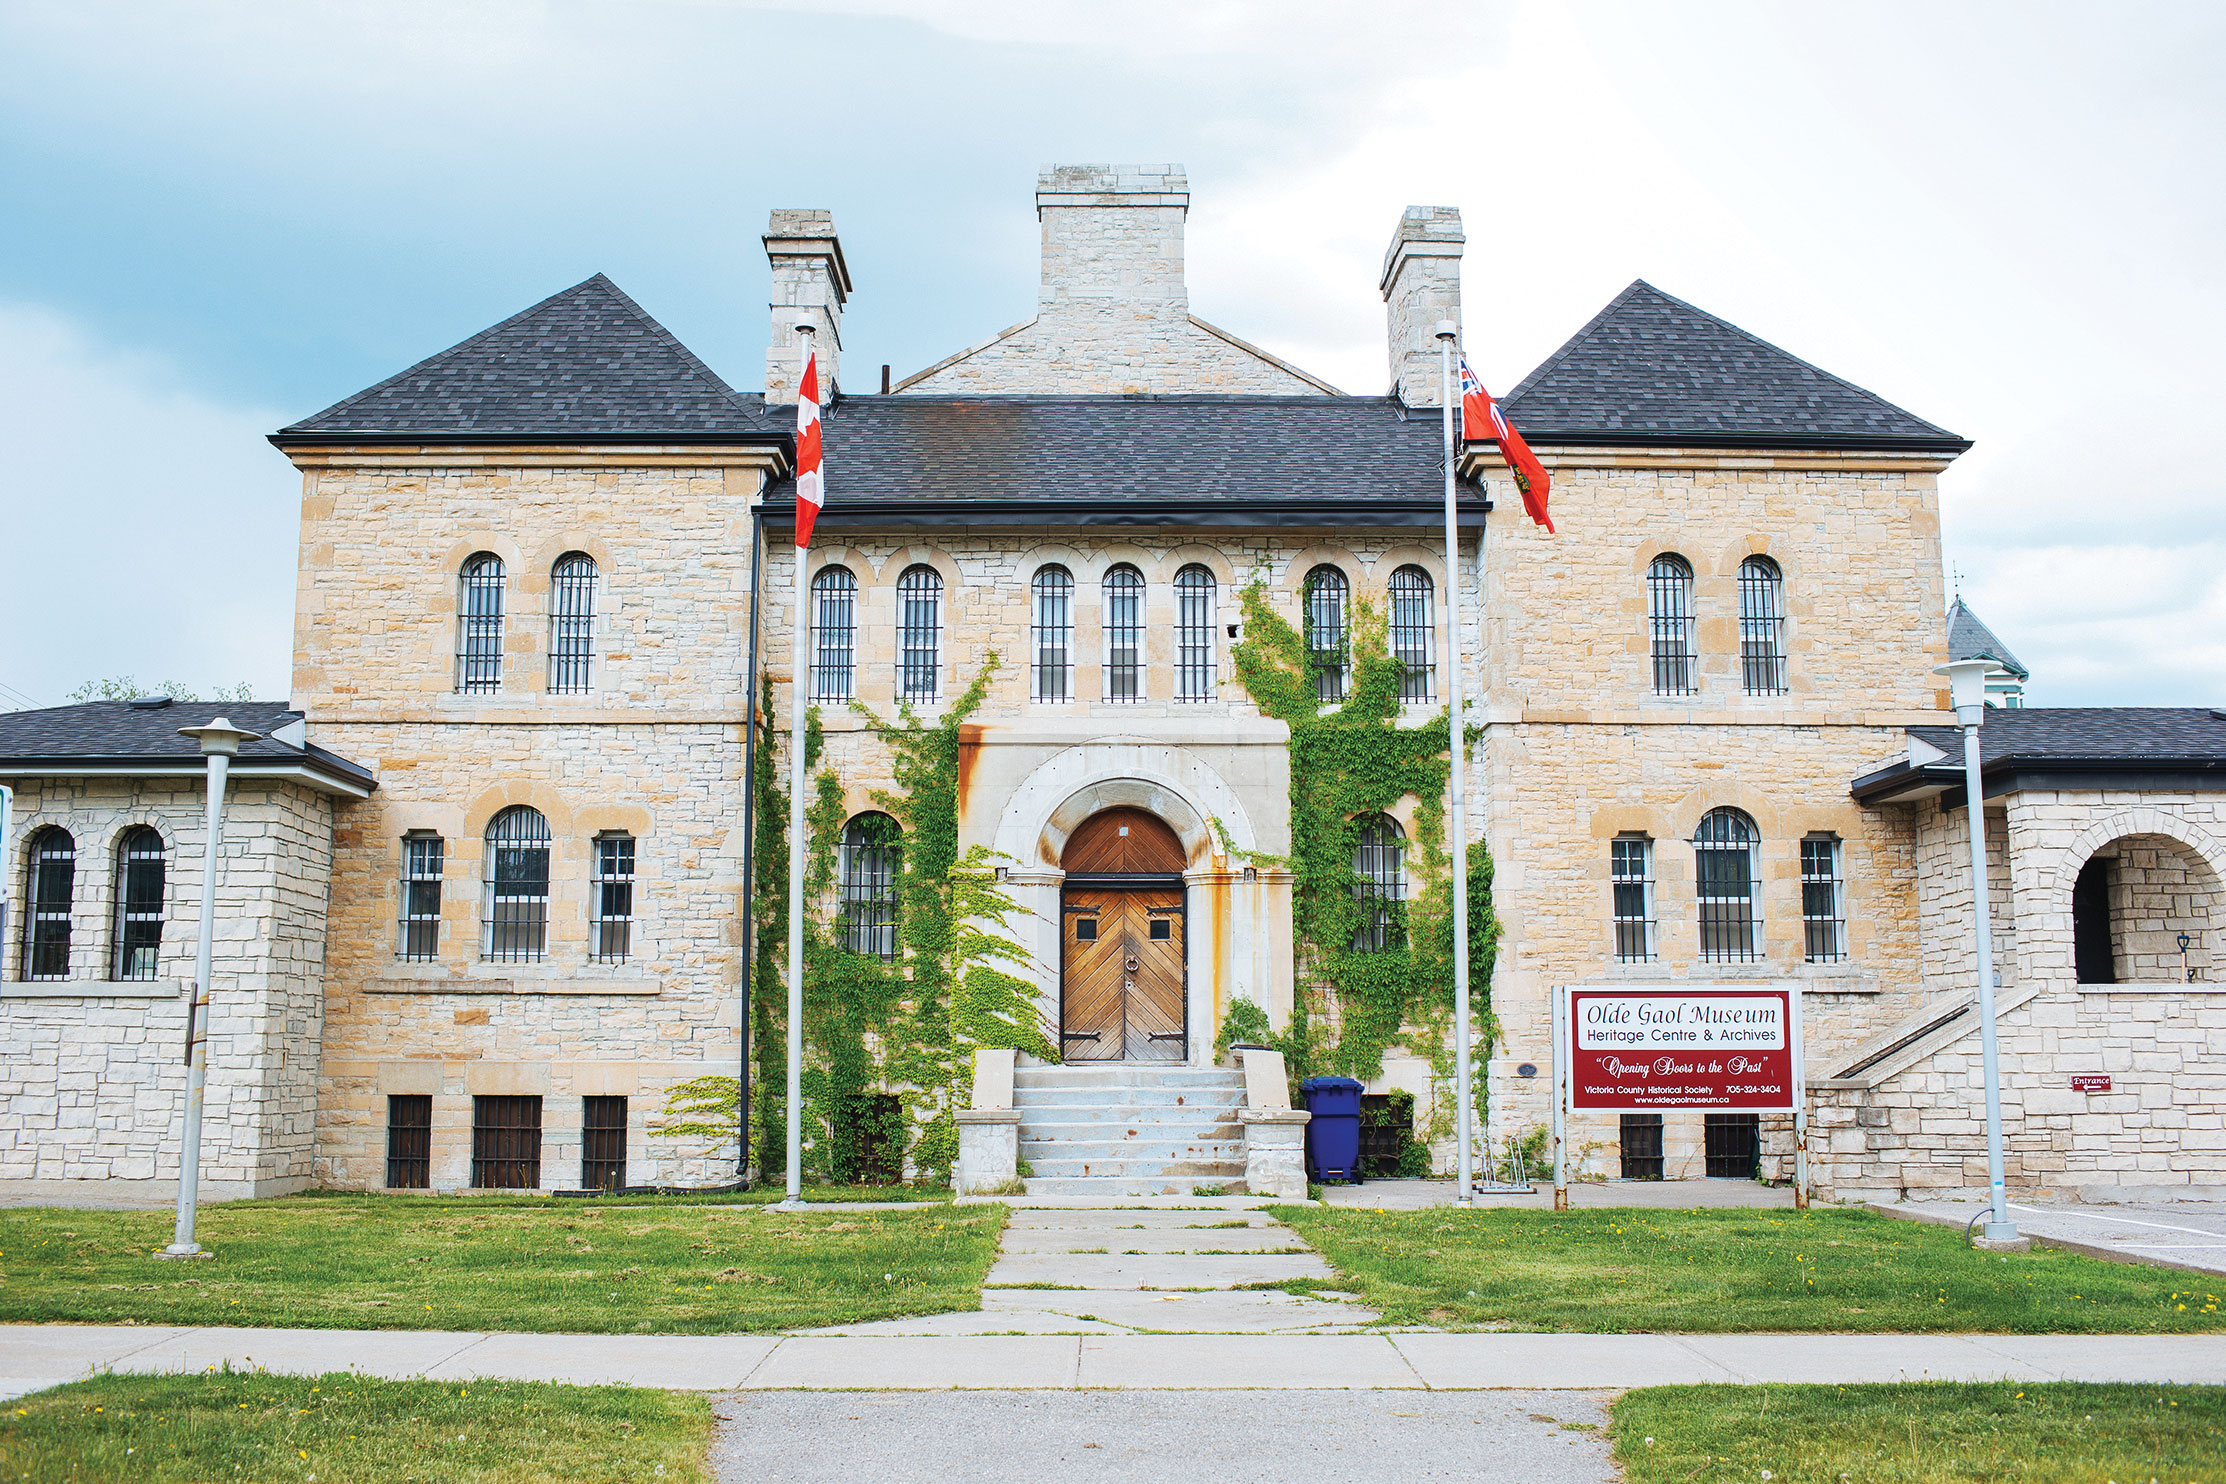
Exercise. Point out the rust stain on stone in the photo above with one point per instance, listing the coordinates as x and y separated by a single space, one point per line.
969 753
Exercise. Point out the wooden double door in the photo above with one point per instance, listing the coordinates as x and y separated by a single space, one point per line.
1121 986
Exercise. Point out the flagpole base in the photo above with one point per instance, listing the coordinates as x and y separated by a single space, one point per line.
189 1249
790 1203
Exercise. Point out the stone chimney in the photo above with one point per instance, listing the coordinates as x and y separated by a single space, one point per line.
810 284
1421 285
1113 240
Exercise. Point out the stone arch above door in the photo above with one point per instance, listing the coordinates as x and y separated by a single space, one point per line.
1170 783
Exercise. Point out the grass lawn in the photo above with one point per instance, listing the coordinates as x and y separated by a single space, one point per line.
398 1262
1616 1271
2031 1433
341 1428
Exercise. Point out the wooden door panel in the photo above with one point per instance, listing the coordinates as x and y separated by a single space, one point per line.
1091 1021
1155 1004
1121 991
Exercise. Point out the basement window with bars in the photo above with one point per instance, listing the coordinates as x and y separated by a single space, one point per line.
602 1143
1380 882
611 929
1641 1146
1762 627
516 914
479 625
1732 1145
419 938
1669 621
139 894
50 869
1726 851
506 1143
1414 623
1194 634
919 633
1124 634
1823 900
834 634
1631 866
1051 675
409 1141
572 624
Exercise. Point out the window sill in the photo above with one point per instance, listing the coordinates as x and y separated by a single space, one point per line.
94 989
447 983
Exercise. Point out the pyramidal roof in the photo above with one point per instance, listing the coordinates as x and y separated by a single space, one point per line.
584 364
1968 639
1650 369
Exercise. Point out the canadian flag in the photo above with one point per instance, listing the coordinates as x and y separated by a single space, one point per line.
1481 421
811 481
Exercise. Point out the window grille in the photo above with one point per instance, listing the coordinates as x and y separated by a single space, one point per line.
1414 625
139 882
834 634
1380 872
572 624
1051 676
409 1141
872 856
919 633
1669 614
1823 900
602 1143
611 933
517 902
1728 887
422 859
1733 1145
506 1143
479 626
1124 634
1326 647
1194 634
1762 627
1631 860
50 869
1641 1146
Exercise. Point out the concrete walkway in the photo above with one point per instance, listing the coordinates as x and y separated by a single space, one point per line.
37 1356
2186 1235
1676 1195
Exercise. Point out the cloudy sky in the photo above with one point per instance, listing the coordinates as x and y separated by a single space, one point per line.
222 216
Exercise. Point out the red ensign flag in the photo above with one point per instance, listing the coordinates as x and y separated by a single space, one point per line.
811 483
1482 421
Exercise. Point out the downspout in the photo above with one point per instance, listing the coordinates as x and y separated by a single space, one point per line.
742 1168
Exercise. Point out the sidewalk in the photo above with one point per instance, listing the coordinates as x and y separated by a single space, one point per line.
2187 1235
36 1356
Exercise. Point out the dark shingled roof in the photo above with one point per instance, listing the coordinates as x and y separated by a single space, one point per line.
1968 639
582 366
112 736
2039 734
1122 460
1651 369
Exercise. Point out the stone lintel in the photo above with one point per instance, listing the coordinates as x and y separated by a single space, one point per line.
513 986
968 1117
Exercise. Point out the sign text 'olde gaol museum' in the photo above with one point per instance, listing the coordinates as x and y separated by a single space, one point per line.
1127 660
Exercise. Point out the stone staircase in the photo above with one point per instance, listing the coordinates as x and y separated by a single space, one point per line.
1129 1130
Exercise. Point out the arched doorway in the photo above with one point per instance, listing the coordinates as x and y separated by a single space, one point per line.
1122 975
2094 956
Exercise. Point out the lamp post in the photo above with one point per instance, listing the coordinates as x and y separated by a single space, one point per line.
1967 691
220 741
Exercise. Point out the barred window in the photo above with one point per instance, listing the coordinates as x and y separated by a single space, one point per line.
1631 866
602 1143
1194 634
515 925
1380 881
834 630
919 633
50 881
1762 626
409 1141
1823 899
1414 623
872 855
1051 674
1327 651
479 625
572 624
611 930
1726 851
139 892
506 1143
1124 634
423 856
1669 616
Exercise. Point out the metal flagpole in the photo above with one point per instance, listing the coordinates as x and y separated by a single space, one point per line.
1464 1093
797 707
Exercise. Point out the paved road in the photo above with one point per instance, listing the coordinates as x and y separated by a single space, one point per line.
2185 1233
1409 1195
1196 1438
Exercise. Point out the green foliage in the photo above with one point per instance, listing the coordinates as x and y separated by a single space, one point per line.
1245 1023
125 688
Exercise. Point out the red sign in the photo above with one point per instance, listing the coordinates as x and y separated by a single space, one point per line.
1664 1048
2090 1084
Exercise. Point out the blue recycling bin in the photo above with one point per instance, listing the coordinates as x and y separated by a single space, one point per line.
1333 1133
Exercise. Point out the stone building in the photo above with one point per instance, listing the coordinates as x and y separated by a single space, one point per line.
546 576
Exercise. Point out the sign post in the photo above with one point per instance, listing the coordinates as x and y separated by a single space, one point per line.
1561 1096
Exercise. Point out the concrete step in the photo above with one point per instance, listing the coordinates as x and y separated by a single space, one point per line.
1102 1188
1126 1097
1224 1151
1209 1171
1161 1129
1127 1074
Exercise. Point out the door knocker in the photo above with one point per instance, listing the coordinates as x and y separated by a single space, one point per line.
1132 963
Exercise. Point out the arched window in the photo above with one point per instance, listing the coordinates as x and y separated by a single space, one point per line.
1669 618
1327 651
1051 674
1380 879
919 633
610 928
49 890
872 855
834 634
1414 623
1727 882
479 625
1762 626
572 624
515 915
1194 634
137 934
1124 634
